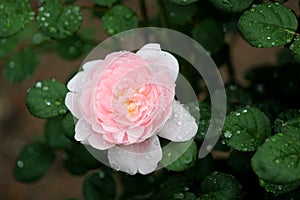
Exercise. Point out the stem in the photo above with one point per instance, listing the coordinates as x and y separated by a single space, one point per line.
164 15
144 11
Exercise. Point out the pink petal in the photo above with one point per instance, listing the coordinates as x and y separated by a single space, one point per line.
159 59
181 126
77 83
141 157
97 141
71 102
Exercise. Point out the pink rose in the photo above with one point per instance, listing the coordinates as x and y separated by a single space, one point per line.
124 102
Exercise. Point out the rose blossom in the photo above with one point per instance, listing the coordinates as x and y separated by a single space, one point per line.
124 102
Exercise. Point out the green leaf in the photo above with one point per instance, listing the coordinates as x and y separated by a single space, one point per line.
209 33
180 15
7 45
220 186
268 25
55 133
279 188
183 2
237 97
58 21
47 99
99 186
201 168
246 129
105 2
284 117
205 113
68 124
277 160
232 6
78 160
70 48
15 15
21 66
33 161
118 19
184 161
295 48
172 186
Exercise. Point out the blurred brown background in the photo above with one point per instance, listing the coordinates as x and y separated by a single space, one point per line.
18 126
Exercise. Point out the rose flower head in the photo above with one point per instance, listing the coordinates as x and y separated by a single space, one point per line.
125 102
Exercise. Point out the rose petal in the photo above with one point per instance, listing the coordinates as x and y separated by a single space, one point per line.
71 102
82 130
90 64
97 141
159 59
141 157
77 83
181 126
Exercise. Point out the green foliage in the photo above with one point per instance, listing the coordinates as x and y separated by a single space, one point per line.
70 48
105 2
279 188
15 15
119 18
295 47
78 160
47 99
277 160
21 66
33 161
219 186
231 6
183 2
246 129
55 133
184 161
268 25
58 21
99 186
209 33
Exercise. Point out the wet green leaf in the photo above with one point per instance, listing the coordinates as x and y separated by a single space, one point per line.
295 48
246 129
209 33
58 21
279 188
186 158
277 160
15 15
232 6
268 25
118 19
99 186
55 134
33 161
70 48
21 66
220 186
183 2
47 99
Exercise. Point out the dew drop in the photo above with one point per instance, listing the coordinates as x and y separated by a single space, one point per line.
238 132
46 88
12 64
111 31
101 174
38 84
47 14
245 111
57 103
277 161
20 163
259 45
227 134
238 114
268 38
169 154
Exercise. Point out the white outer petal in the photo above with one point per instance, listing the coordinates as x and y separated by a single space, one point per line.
141 157
181 126
71 102
159 59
